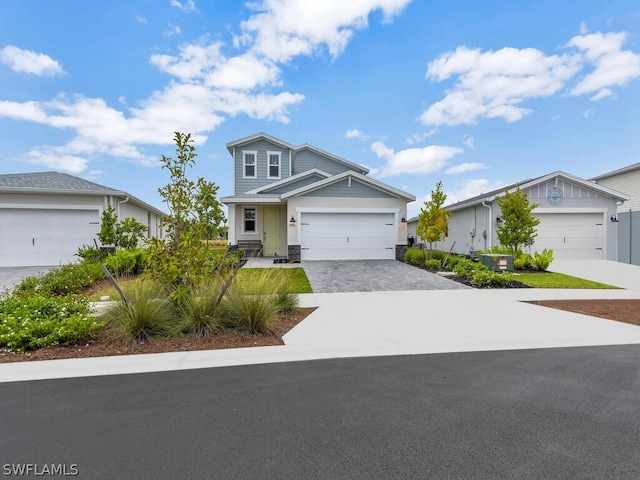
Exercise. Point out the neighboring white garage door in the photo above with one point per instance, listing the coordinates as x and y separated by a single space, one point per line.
41 237
571 235
348 236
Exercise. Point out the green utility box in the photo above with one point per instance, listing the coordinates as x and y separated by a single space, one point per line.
497 263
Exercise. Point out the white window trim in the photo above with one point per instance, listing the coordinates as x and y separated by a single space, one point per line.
244 163
279 155
244 209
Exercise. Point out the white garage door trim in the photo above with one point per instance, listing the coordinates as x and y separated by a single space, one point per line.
572 233
348 235
33 236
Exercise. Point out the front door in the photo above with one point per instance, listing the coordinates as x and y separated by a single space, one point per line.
271 223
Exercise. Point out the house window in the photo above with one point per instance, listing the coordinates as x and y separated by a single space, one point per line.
274 164
249 164
249 219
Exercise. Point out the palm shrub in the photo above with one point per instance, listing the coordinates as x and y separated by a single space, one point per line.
199 310
127 262
542 260
147 313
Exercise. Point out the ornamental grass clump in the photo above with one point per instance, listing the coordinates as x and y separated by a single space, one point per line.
199 311
146 313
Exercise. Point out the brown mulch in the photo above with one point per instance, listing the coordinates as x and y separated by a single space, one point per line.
627 311
109 343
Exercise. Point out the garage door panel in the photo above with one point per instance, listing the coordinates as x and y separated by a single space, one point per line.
342 236
571 235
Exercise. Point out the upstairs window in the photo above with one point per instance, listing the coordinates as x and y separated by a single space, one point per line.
249 167
249 219
274 164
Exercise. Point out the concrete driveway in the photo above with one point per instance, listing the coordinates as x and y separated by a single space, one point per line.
11 276
372 276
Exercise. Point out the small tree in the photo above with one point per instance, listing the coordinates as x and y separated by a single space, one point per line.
519 225
432 219
125 234
107 234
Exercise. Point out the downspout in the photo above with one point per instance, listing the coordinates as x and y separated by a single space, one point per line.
489 233
120 203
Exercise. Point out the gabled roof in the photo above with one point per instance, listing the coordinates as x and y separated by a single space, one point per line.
291 179
490 196
257 136
62 183
306 146
355 175
630 168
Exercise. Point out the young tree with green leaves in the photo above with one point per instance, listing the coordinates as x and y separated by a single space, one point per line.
433 218
125 234
519 225
195 215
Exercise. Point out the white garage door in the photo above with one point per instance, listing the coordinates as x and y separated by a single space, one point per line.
41 237
571 235
348 236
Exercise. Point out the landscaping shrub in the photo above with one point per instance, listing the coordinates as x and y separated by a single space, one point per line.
40 320
199 310
487 279
542 260
452 261
149 313
67 279
435 255
523 261
127 262
432 264
91 253
465 268
414 256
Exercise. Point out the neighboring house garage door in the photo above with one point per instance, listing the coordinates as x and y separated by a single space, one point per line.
41 237
571 235
348 236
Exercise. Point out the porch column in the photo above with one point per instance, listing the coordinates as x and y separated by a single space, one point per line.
231 222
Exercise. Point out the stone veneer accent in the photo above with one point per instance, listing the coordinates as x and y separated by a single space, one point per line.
401 252
293 253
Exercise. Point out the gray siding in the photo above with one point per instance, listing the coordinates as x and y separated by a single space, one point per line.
243 185
627 183
303 182
342 189
629 237
306 160
538 193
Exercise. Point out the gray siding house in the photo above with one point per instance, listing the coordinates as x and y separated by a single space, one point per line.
577 218
626 180
46 216
302 203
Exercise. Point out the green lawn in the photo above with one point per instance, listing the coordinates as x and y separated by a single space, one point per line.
294 277
557 280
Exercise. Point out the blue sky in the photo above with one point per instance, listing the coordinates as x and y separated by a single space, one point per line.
475 94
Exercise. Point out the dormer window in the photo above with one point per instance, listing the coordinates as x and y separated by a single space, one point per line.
249 164
273 164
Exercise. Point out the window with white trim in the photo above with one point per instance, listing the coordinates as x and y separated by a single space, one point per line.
273 164
249 220
249 164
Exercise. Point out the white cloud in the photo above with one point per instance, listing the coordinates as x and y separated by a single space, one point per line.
419 137
413 160
494 84
172 30
583 28
354 133
283 29
471 188
604 93
26 61
613 66
587 113
186 6
465 167
469 142
56 160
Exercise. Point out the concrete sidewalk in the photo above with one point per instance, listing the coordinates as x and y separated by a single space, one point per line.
384 323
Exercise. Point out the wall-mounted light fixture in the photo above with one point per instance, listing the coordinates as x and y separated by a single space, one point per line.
292 222
614 219
403 220
499 220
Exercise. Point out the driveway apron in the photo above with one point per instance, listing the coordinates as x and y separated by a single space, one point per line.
11 276
331 276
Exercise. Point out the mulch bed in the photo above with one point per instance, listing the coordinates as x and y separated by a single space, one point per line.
109 343
627 311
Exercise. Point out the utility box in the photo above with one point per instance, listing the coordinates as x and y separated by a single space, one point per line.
497 263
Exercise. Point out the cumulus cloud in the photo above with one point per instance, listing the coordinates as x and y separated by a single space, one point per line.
413 160
27 61
419 137
354 133
471 188
207 84
465 167
497 84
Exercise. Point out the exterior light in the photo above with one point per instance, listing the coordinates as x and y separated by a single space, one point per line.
614 219
403 220
499 220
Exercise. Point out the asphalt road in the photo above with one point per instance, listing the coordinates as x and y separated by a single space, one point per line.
570 413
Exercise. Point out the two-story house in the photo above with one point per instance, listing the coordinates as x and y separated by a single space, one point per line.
303 203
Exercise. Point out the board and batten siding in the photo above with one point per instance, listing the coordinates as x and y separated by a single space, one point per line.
538 193
627 183
306 159
342 189
261 146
